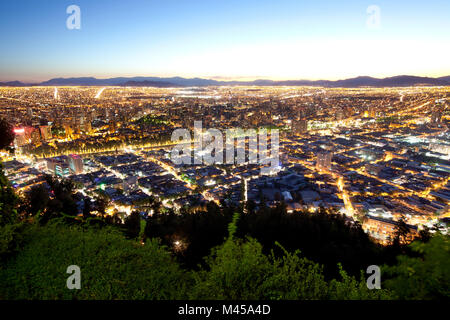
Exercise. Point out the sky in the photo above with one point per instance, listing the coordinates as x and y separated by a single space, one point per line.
278 39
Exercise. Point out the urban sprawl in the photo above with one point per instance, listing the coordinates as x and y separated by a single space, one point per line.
376 155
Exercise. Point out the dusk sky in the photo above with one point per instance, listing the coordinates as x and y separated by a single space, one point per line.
224 39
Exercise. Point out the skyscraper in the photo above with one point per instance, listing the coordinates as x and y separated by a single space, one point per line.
46 132
324 160
300 126
75 164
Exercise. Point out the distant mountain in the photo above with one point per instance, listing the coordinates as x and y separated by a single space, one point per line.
13 84
447 78
90 81
403 81
148 83
397 81
83 81
363 81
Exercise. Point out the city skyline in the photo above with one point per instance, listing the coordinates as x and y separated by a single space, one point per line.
287 40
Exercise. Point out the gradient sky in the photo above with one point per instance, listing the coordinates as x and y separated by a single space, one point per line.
278 39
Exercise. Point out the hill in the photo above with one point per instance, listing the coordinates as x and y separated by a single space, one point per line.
362 81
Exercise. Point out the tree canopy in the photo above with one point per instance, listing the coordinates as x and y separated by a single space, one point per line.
6 134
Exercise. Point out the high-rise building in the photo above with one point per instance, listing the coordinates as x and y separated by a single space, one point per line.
324 160
87 127
300 126
75 164
58 166
46 132
68 130
19 137
340 115
436 116
35 136
112 126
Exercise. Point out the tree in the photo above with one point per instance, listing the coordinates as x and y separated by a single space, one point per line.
424 234
10 226
8 200
61 200
239 270
401 232
87 208
111 266
6 134
133 225
425 274
37 199
101 203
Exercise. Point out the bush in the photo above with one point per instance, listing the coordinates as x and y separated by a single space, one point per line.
424 276
239 270
111 266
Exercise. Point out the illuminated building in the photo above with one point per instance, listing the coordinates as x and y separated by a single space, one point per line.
300 126
46 132
75 164
324 160
384 229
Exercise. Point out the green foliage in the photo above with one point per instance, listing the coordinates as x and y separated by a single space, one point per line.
58 131
115 268
232 227
8 201
111 266
424 276
349 288
6 134
239 270
37 199
11 238
324 237
133 225
152 120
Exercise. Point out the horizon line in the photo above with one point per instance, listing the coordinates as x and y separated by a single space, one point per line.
222 78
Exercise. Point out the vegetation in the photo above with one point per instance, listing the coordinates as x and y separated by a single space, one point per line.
151 120
6 134
425 275
111 266
107 143
116 268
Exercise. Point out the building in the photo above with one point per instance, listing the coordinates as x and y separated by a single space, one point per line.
75 164
436 116
130 184
58 167
19 137
35 136
384 230
340 115
300 126
324 160
46 132
373 169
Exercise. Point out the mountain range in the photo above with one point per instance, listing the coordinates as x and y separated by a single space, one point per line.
397 81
